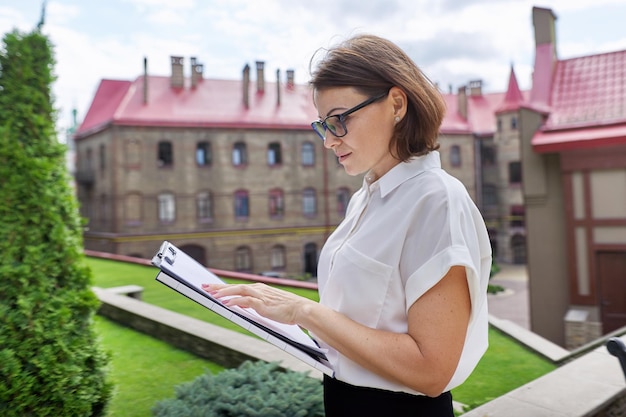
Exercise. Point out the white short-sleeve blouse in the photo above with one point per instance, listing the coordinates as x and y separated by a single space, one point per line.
400 236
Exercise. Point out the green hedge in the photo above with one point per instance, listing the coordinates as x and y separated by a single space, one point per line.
50 364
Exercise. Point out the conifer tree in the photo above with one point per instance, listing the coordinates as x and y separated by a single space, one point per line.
50 362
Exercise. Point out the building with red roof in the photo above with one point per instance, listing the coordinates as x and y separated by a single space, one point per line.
573 137
231 171
228 170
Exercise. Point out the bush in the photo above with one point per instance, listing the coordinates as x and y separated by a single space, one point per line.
255 389
493 288
50 364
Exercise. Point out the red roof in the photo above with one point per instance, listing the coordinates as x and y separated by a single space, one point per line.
588 103
513 98
212 103
481 114
219 103
590 137
453 123
106 101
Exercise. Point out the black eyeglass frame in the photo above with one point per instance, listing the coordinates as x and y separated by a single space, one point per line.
323 127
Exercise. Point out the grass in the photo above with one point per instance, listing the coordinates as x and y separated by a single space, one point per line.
143 369
505 366
109 274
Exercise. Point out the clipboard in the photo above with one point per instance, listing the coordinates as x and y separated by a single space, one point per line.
185 275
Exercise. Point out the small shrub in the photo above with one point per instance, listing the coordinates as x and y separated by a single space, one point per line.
493 288
254 389
495 268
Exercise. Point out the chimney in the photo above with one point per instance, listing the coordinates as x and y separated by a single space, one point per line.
546 56
178 78
544 23
462 102
277 88
476 88
290 79
246 86
260 78
196 72
145 80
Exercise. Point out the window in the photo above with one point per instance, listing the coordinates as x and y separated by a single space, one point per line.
277 260
103 156
490 195
89 160
513 123
343 197
132 209
499 124
132 153
167 207
240 155
276 203
243 259
242 209
517 216
488 155
274 156
515 172
204 206
203 154
102 210
309 205
308 154
166 154
455 156
310 259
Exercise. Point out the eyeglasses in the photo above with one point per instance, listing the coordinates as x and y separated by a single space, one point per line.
336 124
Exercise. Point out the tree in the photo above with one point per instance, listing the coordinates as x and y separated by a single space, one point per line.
50 361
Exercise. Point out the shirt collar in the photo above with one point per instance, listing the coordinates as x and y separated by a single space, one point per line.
404 171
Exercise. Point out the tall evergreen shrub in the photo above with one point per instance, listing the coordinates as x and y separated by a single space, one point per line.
50 363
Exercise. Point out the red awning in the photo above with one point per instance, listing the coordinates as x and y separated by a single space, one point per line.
581 138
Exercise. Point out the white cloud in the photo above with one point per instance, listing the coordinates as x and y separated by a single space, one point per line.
162 4
13 18
60 13
167 17
452 40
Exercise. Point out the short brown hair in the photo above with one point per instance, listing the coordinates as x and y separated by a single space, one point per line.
372 65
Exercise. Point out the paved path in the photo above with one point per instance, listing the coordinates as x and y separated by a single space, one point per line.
512 304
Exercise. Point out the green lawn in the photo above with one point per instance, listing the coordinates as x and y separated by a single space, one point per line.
143 369
505 366
109 274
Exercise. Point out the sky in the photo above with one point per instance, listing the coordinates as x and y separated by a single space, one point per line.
453 41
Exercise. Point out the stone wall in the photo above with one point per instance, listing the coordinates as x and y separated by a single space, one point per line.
217 344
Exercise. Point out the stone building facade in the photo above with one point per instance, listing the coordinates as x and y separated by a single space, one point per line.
230 170
254 194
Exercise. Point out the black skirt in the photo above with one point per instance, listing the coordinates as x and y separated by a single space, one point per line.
345 400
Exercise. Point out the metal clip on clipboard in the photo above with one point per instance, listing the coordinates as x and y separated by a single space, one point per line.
166 252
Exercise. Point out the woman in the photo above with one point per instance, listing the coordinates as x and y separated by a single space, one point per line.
403 278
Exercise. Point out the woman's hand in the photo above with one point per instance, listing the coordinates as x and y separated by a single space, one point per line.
424 359
270 302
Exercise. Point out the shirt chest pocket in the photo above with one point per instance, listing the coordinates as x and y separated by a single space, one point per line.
357 286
